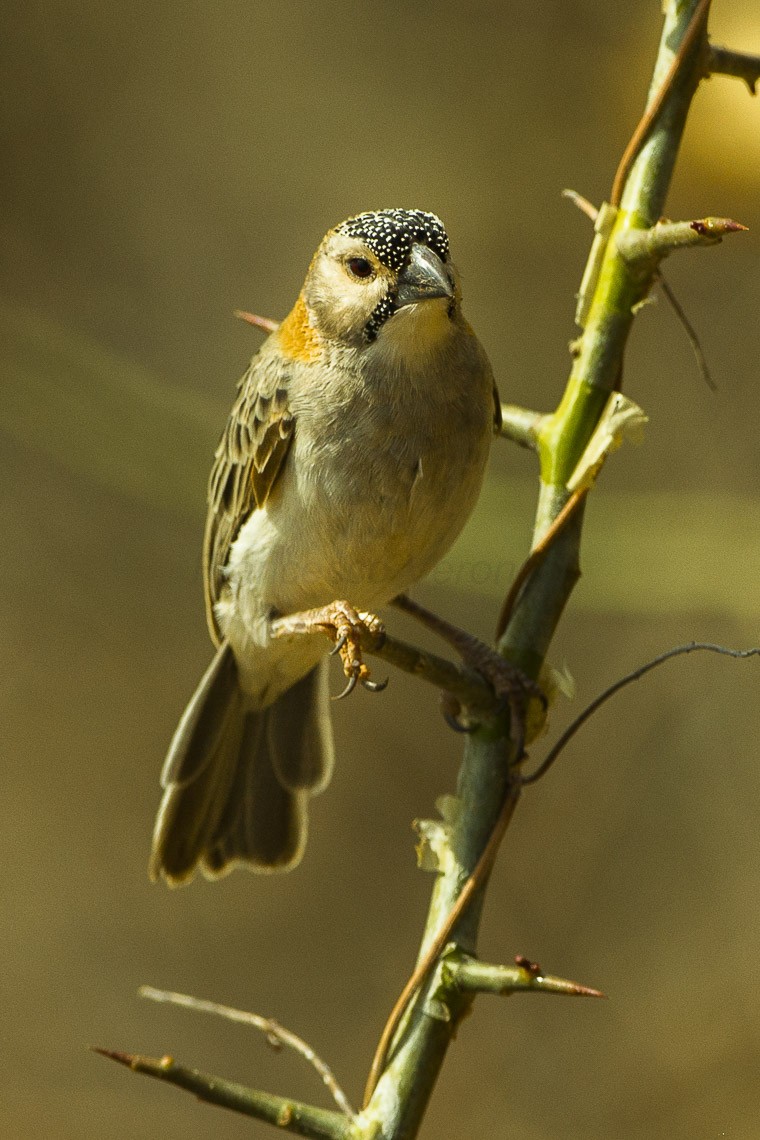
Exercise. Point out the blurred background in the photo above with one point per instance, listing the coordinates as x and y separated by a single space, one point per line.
166 163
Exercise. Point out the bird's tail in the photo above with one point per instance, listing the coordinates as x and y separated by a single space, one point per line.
237 782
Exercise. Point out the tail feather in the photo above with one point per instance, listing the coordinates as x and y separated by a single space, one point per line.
204 722
264 824
237 781
300 734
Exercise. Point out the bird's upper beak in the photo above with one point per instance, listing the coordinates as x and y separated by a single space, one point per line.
423 278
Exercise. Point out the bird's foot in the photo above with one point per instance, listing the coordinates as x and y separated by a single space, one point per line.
347 627
513 688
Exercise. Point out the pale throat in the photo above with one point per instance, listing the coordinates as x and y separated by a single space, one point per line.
416 331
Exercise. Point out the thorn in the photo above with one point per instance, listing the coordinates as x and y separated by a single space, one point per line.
582 203
556 985
254 319
127 1059
585 991
716 227
691 333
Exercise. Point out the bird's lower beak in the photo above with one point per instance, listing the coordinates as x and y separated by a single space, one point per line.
423 278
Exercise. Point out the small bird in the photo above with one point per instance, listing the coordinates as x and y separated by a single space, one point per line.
352 458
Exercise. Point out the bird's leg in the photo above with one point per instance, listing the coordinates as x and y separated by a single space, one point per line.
346 627
509 683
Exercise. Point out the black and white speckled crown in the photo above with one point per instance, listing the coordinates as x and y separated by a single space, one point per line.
390 234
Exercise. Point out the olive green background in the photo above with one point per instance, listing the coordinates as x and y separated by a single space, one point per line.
164 163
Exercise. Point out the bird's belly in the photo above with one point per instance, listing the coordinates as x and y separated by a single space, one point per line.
357 540
361 523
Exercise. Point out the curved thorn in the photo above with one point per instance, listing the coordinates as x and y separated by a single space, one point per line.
349 687
375 686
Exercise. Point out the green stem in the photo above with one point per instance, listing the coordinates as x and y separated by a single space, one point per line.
485 785
287 1114
520 425
485 794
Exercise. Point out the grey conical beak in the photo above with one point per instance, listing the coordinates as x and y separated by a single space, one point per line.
423 277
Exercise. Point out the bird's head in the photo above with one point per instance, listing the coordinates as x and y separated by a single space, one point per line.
382 276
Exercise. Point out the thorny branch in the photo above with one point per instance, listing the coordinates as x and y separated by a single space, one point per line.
284 1112
463 845
277 1035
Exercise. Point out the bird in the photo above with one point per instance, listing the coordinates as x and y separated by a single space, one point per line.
352 458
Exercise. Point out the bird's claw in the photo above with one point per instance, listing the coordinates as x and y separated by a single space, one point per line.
339 644
451 709
347 626
369 685
512 688
374 686
350 686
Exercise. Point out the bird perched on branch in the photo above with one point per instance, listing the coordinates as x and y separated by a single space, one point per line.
351 460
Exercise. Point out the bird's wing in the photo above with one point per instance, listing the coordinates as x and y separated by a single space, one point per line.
248 460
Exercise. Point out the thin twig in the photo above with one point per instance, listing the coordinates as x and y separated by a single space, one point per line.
691 333
583 204
590 709
284 1112
464 683
520 425
265 323
276 1035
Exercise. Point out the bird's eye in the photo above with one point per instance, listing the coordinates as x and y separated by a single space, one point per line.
360 267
